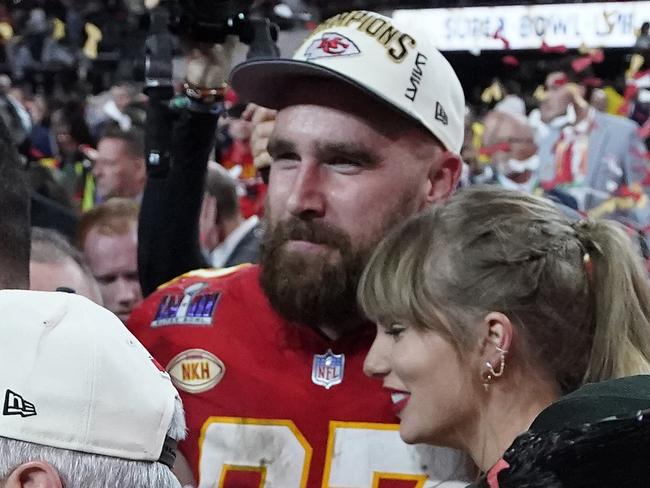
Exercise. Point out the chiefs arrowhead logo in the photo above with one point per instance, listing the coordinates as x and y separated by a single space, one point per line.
331 44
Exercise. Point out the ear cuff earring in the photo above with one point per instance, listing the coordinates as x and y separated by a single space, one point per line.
490 374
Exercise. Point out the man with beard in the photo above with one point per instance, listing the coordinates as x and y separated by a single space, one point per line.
269 359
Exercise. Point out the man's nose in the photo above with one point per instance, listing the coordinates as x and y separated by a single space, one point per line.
307 197
128 291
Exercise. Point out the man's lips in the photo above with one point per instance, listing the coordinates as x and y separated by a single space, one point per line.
305 246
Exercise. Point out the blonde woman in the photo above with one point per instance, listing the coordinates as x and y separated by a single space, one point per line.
493 307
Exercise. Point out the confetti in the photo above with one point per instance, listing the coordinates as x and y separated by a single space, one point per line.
559 49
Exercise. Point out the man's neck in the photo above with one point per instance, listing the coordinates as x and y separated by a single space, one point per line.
330 332
335 332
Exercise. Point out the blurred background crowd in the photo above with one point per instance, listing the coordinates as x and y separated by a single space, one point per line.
552 108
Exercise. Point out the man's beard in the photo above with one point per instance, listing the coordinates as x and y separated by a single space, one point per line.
317 289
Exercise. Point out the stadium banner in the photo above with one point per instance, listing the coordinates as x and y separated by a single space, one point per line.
612 24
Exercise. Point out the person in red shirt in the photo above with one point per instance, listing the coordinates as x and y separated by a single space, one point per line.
269 358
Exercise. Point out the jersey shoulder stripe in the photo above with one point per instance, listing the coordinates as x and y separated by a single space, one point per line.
206 273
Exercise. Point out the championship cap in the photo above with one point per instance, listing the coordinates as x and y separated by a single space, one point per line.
73 377
398 65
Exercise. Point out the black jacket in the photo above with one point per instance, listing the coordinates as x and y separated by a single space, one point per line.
597 436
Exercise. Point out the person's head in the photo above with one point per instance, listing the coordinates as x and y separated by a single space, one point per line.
119 168
509 141
564 94
368 135
645 28
221 189
54 263
500 277
14 216
69 127
90 407
108 238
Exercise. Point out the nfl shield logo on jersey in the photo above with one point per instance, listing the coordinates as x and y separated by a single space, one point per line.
327 369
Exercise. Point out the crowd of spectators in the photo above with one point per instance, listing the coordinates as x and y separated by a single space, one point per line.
73 108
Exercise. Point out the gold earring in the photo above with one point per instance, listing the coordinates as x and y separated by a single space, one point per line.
487 379
489 375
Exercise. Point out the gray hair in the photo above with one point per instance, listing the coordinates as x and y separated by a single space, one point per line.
50 246
83 470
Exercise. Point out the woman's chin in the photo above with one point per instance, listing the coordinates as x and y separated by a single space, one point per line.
410 435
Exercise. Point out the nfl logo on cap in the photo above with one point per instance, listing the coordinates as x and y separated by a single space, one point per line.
327 369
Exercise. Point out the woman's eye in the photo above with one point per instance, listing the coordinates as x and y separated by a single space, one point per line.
394 330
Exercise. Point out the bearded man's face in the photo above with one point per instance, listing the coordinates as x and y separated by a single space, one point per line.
342 175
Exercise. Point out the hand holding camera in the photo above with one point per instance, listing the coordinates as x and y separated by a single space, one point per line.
208 66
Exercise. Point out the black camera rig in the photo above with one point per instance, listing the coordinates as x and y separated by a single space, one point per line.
206 21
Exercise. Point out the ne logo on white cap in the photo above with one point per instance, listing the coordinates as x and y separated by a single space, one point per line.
17 405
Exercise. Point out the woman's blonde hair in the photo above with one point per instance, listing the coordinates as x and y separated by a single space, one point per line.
577 293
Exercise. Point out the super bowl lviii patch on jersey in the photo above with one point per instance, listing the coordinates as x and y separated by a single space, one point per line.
327 369
193 306
196 370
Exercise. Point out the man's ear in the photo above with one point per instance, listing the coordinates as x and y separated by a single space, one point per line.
443 177
36 474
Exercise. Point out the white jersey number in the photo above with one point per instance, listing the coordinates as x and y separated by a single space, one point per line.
277 455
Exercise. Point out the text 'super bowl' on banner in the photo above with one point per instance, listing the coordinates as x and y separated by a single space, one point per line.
525 27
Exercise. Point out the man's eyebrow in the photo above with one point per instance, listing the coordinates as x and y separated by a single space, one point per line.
105 276
277 145
352 150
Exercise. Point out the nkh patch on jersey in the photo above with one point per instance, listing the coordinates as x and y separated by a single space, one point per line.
194 306
331 44
196 370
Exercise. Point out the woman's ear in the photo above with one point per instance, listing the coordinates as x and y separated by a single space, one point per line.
495 338
36 474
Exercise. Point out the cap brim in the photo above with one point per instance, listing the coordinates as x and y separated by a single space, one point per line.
267 82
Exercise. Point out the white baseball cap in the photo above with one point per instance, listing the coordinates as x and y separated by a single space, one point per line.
73 377
398 65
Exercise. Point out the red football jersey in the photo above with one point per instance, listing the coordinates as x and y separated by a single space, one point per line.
272 404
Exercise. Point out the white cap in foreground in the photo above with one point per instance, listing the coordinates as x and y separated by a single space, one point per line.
397 65
73 377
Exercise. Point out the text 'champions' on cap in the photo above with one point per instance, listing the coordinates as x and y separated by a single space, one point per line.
396 64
